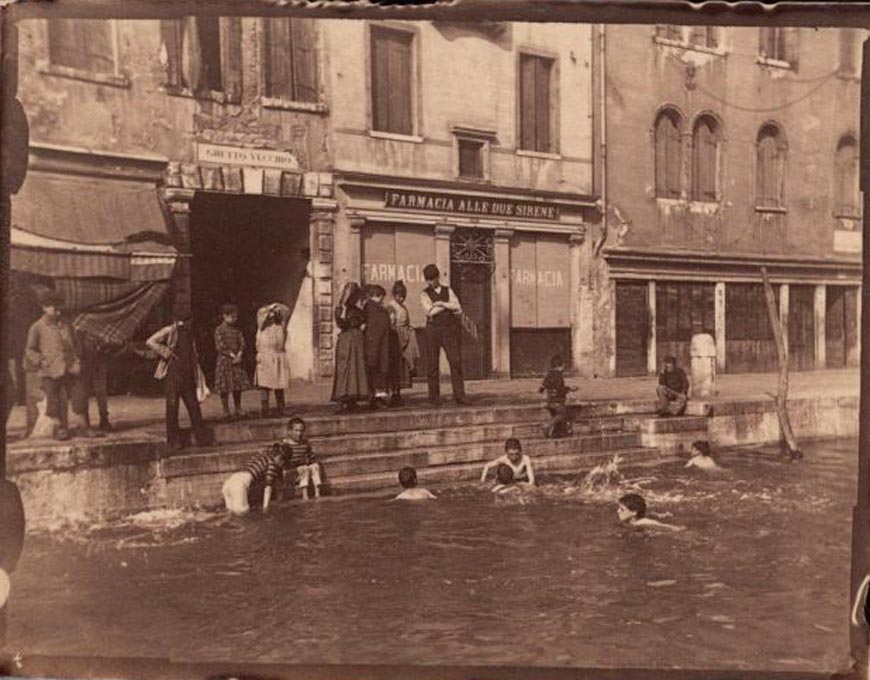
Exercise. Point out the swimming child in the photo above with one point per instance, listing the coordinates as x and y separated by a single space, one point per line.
632 509
408 480
519 463
229 373
265 469
504 477
701 458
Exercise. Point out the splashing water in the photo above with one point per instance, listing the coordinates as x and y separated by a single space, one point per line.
603 477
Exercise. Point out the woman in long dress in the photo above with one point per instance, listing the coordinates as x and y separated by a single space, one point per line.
404 350
273 369
350 383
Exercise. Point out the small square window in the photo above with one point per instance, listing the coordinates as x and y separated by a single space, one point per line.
470 158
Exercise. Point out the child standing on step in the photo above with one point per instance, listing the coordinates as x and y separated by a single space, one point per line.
557 394
273 369
519 463
229 374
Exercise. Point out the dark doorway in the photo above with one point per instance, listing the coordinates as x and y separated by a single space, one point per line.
801 328
471 267
841 325
632 328
248 251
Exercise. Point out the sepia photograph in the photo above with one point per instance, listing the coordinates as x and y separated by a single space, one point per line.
513 341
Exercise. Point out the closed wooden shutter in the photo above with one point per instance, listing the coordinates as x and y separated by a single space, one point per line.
846 177
304 60
209 33
171 33
84 44
231 57
528 112
191 56
668 156
535 103
790 44
768 171
391 82
278 75
768 40
705 147
543 137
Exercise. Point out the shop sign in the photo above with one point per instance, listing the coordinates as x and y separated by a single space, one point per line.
470 205
542 278
388 273
236 155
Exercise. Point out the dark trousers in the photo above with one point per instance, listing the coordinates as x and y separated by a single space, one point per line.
92 381
183 388
560 419
57 393
450 338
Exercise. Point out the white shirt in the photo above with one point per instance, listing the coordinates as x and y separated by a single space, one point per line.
429 307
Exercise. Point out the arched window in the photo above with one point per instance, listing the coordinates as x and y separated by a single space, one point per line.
669 156
770 167
846 177
705 159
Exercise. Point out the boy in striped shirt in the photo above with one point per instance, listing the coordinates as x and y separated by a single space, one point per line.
308 472
266 469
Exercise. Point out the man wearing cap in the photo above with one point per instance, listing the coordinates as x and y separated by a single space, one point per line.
673 389
53 351
442 310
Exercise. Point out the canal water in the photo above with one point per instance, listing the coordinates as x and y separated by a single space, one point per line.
759 579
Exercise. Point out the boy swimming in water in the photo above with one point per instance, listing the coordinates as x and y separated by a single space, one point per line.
408 480
504 477
519 463
700 457
632 509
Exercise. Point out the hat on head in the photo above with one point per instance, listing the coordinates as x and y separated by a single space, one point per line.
430 272
670 360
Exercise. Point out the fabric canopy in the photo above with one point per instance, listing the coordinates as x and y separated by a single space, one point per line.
115 320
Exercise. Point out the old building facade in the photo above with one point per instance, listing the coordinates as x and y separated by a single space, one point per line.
729 149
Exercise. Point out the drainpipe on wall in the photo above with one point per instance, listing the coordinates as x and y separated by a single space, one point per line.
602 130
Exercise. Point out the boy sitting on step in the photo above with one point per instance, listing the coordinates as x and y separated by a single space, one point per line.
308 472
408 480
264 470
519 463
557 394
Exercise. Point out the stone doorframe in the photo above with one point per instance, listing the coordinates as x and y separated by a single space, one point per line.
183 180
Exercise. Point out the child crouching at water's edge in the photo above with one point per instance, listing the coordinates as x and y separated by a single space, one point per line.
408 481
264 470
632 509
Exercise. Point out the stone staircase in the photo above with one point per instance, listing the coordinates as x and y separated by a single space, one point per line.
362 453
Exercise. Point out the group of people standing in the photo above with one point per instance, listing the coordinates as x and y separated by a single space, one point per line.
377 352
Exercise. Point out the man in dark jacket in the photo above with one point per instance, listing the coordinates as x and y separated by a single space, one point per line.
673 389
377 343
443 329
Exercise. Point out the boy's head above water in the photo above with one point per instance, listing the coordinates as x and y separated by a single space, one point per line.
504 474
631 506
514 450
408 477
700 448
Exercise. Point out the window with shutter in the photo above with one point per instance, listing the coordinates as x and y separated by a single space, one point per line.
779 44
770 168
392 85
82 44
668 152
289 60
203 56
846 177
470 158
703 36
670 32
536 105
705 148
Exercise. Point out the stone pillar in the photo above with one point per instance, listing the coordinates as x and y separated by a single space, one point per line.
783 312
719 325
355 270
581 325
854 357
501 308
178 201
703 358
322 237
443 232
820 316
652 366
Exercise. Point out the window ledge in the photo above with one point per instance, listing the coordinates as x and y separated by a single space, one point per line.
472 180
770 209
291 105
670 200
842 215
718 51
545 155
209 95
395 136
112 79
774 63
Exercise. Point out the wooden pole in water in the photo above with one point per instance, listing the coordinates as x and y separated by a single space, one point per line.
781 397
860 636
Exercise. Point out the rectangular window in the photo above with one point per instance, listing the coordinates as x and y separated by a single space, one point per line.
704 36
536 106
82 44
392 81
289 59
777 43
670 32
470 158
204 55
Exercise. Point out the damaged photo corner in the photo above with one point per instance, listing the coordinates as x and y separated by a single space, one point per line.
635 231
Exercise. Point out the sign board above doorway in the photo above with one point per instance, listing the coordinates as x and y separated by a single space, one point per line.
236 155
470 205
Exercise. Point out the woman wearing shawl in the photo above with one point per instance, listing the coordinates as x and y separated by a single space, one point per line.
350 383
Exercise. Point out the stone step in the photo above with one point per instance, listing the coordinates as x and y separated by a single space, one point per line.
225 460
656 425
